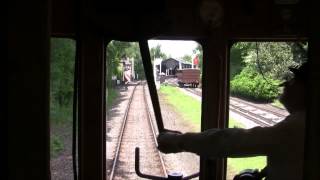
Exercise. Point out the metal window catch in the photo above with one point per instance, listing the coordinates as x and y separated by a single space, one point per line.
172 176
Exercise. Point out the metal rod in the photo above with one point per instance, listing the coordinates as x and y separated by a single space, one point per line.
75 113
191 176
137 168
145 54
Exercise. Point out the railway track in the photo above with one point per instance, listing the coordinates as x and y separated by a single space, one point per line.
137 131
261 116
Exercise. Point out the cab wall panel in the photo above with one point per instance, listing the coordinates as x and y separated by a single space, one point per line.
63 18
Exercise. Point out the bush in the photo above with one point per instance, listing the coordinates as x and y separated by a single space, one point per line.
252 85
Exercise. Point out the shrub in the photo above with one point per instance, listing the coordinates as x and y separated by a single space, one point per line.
252 85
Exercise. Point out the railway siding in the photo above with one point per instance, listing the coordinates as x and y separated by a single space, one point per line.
258 114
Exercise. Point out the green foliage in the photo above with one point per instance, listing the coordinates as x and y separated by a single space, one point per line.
60 114
155 52
62 70
116 50
274 58
238 52
56 145
187 58
61 80
256 68
250 84
62 59
268 58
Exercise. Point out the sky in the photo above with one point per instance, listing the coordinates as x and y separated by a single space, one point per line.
174 49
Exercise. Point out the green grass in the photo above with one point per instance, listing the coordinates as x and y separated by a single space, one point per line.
190 109
278 104
239 164
112 95
235 124
60 114
56 145
235 165
60 120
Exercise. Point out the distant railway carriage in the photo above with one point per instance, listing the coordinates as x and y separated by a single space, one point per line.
189 77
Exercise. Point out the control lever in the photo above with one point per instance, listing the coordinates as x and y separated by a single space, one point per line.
172 176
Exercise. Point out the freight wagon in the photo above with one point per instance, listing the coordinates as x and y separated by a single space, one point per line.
188 77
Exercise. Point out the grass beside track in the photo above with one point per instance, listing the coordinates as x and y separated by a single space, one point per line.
190 109
112 95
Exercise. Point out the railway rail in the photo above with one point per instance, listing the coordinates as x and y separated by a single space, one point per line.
137 130
261 116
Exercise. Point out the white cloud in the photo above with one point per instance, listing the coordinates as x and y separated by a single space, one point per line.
174 48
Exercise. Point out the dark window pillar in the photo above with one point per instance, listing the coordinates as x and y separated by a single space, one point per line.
91 106
28 90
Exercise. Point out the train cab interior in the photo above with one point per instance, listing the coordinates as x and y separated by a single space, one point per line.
92 24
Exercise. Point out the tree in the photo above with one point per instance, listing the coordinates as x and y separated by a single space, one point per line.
62 70
155 52
117 49
273 58
238 52
187 58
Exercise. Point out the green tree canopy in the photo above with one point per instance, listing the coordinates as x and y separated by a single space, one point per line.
116 50
155 52
187 58
273 58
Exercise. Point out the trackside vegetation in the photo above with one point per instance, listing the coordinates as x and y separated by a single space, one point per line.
190 109
252 85
62 61
257 68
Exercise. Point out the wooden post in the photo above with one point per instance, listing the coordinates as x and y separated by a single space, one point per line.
214 97
91 106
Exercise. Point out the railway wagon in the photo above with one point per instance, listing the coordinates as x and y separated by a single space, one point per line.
190 77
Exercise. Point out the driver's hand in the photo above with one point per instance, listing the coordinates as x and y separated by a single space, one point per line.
170 141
